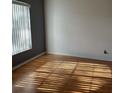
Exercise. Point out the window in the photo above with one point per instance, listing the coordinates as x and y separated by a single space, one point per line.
21 28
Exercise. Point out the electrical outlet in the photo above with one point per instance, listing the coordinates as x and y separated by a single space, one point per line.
106 52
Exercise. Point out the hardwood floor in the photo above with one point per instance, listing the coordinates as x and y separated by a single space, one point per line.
63 74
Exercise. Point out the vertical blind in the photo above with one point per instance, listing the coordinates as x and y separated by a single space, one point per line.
21 28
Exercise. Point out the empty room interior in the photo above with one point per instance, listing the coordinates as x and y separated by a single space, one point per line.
61 46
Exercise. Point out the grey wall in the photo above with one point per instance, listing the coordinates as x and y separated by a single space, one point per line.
37 30
80 28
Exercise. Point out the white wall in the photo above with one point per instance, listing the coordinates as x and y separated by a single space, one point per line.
80 28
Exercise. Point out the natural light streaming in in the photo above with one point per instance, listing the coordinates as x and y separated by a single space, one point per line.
21 29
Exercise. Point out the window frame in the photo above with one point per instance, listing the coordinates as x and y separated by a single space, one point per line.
29 6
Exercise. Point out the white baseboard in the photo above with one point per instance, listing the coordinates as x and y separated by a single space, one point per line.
81 56
27 61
